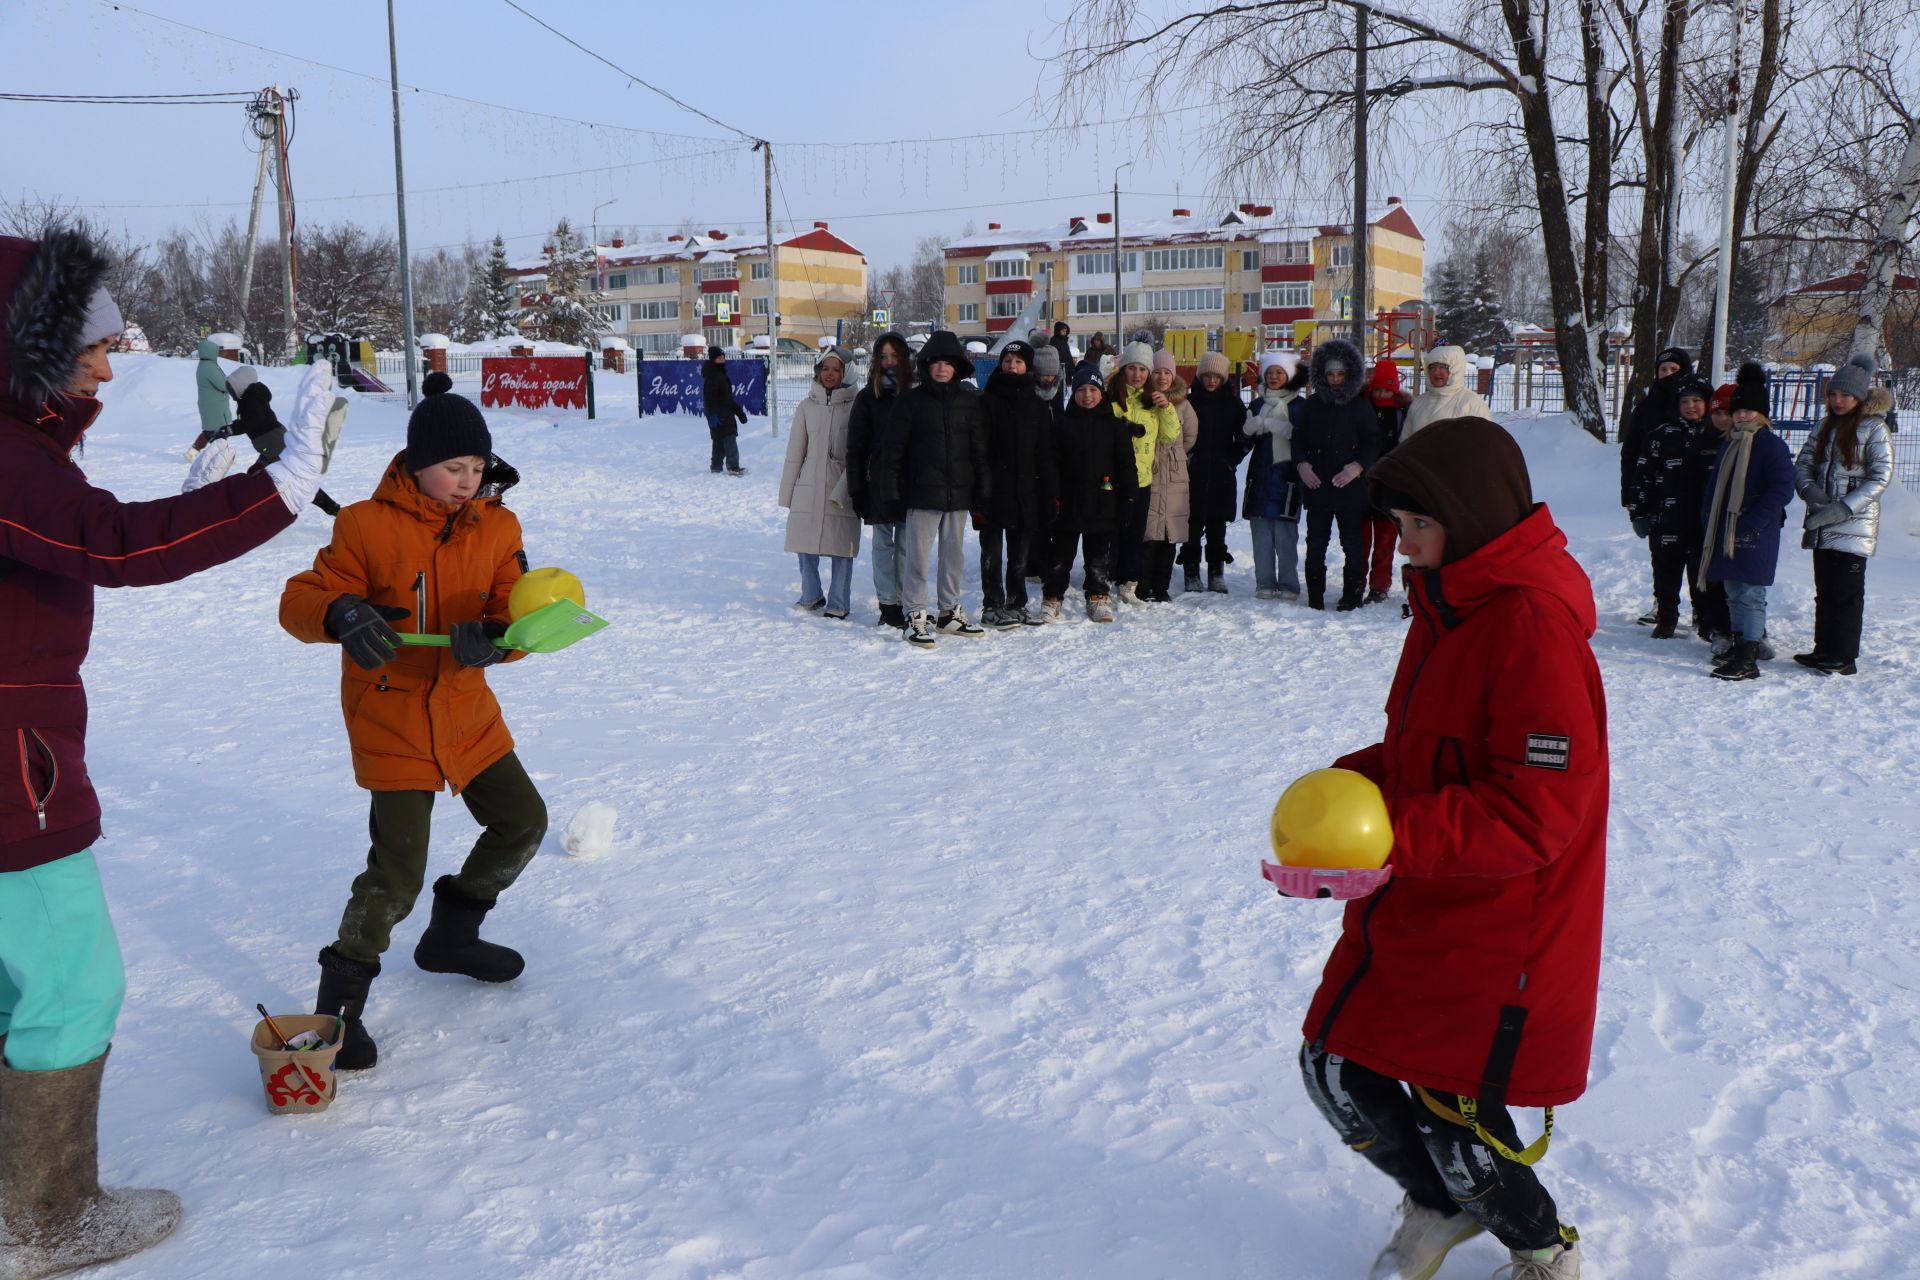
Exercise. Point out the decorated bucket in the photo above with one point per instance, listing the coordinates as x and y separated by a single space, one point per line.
297 1079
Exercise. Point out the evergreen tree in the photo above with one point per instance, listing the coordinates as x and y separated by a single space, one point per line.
1489 327
491 307
569 308
1452 304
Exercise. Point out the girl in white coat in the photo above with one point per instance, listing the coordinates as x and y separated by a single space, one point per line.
814 489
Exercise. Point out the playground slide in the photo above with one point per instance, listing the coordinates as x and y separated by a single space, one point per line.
360 380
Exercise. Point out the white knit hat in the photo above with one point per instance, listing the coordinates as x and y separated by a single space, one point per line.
1139 353
103 319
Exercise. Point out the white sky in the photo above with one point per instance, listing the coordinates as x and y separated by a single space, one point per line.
813 74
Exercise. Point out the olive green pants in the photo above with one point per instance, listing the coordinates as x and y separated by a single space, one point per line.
502 799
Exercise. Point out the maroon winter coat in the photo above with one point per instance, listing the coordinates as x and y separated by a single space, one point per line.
60 537
1474 970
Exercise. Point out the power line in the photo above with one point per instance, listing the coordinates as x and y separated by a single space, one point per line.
385 87
208 99
632 78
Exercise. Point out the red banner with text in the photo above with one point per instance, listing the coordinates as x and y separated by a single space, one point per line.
535 382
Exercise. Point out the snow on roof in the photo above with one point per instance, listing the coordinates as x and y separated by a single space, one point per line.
1852 282
696 248
1232 225
1007 255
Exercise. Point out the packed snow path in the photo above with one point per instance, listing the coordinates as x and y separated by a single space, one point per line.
957 964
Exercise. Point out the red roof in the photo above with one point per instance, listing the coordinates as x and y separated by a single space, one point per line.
823 240
1398 219
1853 282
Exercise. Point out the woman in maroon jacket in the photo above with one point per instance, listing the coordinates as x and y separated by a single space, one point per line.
61 980
1470 977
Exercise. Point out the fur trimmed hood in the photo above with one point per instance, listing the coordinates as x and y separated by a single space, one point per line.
45 287
1338 350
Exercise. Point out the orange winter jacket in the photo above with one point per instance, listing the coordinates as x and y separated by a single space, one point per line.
422 721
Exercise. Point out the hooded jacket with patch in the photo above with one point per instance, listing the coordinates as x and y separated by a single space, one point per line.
1457 399
1820 481
60 537
1661 403
1094 452
421 722
1333 428
941 461
1475 969
216 405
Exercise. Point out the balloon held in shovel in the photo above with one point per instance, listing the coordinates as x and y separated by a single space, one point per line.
1332 834
548 616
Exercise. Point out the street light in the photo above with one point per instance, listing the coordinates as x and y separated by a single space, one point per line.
597 275
1119 304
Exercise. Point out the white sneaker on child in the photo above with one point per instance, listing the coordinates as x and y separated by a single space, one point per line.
1420 1243
1555 1262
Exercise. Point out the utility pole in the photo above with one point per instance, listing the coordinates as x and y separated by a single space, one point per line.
1119 299
258 122
400 198
1723 291
773 290
283 183
1358 294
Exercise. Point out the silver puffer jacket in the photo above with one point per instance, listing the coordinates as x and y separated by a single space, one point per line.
1858 486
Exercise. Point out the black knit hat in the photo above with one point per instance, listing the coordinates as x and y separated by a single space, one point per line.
437 383
446 426
1750 389
1087 374
1023 350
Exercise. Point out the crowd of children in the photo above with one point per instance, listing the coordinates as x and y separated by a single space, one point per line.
1706 481
1132 471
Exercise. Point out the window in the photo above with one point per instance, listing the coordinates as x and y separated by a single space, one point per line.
1101 304
658 344
967 312
618 280
1278 332
1003 305
1157 301
1249 259
1294 293
614 314
1343 254
1291 253
759 305
661 309
717 271
1204 257
654 275
714 302
1249 302
1101 264
969 274
1008 269
760 270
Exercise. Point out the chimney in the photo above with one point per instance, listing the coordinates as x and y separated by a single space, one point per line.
819 226
619 243
993 226
716 235
1392 201
546 248
1263 211
1183 213
1103 217
1247 208
675 238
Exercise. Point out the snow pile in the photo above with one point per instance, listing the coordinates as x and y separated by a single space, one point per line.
956 965
590 833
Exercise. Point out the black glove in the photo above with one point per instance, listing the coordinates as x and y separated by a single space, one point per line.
473 643
1642 526
325 503
362 630
740 414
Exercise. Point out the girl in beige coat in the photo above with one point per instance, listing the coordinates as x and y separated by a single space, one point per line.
1170 505
815 490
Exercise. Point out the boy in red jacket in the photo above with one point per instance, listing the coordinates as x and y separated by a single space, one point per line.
1470 977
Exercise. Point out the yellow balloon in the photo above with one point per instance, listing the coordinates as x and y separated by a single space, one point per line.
1332 818
539 588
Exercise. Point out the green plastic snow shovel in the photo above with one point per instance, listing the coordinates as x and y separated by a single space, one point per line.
548 629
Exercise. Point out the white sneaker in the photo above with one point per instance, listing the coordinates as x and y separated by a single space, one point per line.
1267 593
1099 609
1556 1262
919 630
1128 595
956 624
1049 611
1420 1243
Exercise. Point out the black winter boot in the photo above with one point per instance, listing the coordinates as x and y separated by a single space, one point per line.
343 992
451 943
1740 663
893 615
1665 625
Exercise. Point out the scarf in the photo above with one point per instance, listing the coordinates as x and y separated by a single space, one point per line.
1729 495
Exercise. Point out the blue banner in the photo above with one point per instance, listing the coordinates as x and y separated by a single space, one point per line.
673 386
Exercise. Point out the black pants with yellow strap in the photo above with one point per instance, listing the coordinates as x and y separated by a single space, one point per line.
1436 1160
502 799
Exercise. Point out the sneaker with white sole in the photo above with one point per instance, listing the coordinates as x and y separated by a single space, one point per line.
919 631
1099 609
1049 611
1421 1242
1555 1262
1266 593
956 624
1006 618
1129 593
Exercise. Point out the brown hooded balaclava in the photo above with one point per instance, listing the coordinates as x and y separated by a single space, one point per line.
1467 473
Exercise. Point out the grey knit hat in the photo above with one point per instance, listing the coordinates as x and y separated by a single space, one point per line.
1046 362
1139 353
1855 377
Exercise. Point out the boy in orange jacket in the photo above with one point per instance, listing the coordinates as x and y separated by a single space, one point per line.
433 542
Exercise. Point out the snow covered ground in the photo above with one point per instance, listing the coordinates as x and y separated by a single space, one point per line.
957 964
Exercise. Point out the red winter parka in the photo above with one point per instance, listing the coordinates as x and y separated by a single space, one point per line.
1474 970
60 537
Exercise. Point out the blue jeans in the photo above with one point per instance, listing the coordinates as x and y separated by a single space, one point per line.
1747 608
61 978
841 590
1276 554
889 560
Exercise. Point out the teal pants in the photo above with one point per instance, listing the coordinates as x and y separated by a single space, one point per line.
61 979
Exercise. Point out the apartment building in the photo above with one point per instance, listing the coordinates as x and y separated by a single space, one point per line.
718 285
1246 270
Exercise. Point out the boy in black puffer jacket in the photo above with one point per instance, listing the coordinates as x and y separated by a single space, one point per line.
1020 456
1665 499
1093 450
1335 439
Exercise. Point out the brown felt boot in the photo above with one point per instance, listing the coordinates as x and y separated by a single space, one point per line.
54 1216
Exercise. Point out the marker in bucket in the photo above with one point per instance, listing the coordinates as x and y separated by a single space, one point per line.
273 1026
